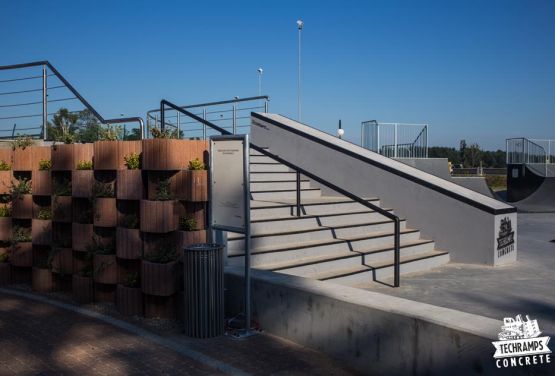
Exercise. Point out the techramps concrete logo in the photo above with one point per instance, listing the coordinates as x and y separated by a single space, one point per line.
520 344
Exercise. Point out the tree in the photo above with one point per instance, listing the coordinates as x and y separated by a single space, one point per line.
472 155
89 127
63 126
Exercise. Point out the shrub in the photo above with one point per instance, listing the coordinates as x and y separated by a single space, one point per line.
85 165
101 247
130 221
22 187
131 280
187 223
165 252
196 165
4 257
61 186
21 234
110 133
166 133
22 142
45 213
132 161
101 189
5 211
5 166
163 192
45 165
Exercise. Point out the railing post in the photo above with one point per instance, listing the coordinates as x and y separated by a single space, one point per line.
378 137
204 125
395 140
266 105
162 117
234 119
44 102
178 125
13 130
298 193
397 261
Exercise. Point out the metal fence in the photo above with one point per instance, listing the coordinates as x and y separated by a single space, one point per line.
232 115
536 154
395 140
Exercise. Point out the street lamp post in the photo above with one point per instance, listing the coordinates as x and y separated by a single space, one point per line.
340 131
260 71
300 24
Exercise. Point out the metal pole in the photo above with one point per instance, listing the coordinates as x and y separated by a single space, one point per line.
426 140
246 192
234 119
395 140
204 125
298 193
162 117
300 28
397 261
178 125
266 106
378 137
44 102
362 135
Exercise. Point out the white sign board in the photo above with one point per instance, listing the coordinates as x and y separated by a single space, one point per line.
227 183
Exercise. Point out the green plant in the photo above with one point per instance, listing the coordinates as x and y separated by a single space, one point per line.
131 280
110 133
166 133
132 161
21 234
101 189
22 142
163 192
4 257
102 247
187 223
22 187
130 221
45 164
165 252
5 166
45 214
61 186
85 165
196 165
5 211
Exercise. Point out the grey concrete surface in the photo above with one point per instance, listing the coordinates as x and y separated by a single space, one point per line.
525 287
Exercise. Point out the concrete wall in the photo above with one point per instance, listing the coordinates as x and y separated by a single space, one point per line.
435 166
374 333
461 221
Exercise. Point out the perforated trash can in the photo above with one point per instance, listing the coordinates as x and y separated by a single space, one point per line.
203 277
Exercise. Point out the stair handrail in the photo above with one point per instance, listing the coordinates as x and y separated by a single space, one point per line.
300 171
74 91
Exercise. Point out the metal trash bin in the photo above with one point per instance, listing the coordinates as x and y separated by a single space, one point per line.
203 277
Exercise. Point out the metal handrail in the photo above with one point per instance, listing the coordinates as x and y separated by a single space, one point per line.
78 95
300 171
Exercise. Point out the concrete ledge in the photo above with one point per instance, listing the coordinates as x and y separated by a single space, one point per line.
374 333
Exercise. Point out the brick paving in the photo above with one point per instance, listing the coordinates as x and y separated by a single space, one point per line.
37 338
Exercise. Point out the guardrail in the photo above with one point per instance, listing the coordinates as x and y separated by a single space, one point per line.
395 140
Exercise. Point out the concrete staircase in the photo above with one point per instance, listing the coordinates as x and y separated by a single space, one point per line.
335 239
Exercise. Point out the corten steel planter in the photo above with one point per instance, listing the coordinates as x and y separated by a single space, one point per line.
159 279
62 157
106 155
104 293
191 237
61 209
153 181
82 288
62 261
195 210
158 216
5 182
22 255
129 185
129 244
105 212
182 185
105 269
82 152
42 280
22 159
5 228
6 155
42 183
125 148
162 154
129 300
41 231
40 153
82 234
22 206
198 189
81 183
5 274
163 307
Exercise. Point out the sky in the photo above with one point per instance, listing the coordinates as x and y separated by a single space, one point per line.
481 71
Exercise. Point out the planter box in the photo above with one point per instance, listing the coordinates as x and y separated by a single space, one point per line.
105 269
62 157
5 182
62 261
128 243
82 183
161 154
106 155
129 300
129 185
5 274
163 307
61 209
22 255
82 234
105 212
5 228
191 237
82 152
22 207
40 153
42 280
104 293
158 216
158 279
41 231
198 188
6 155
42 183
22 159
125 148
82 288
195 210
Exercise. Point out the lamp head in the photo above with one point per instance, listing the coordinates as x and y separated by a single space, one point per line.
340 132
300 24
260 70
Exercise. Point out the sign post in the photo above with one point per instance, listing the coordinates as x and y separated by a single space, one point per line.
230 198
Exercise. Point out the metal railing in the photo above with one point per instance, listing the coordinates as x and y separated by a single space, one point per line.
395 140
522 150
29 106
232 115
300 171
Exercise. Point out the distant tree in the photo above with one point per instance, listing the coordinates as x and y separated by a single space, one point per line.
63 126
135 134
89 127
472 155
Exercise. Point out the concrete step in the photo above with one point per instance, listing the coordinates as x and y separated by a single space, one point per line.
278 185
309 267
310 221
275 194
268 167
366 274
273 176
